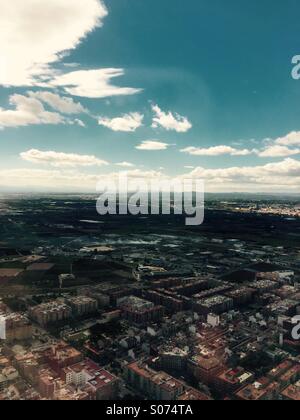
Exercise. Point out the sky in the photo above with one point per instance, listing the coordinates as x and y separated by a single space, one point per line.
152 89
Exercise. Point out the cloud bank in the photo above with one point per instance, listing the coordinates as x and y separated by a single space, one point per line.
273 177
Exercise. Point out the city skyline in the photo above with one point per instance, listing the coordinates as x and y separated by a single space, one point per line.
108 87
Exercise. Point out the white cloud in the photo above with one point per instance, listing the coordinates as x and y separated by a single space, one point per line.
125 164
150 145
127 123
36 34
137 173
62 104
71 65
280 176
79 122
92 83
272 150
216 151
278 151
291 139
64 180
55 180
169 121
274 177
58 159
27 111
280 147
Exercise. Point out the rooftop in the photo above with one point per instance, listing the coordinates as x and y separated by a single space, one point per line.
97 377
193 395
40 267
10 272
292 392
258 390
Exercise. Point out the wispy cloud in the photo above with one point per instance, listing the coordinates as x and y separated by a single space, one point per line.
151 145
94 83
216 151
59 103
58 159
125 165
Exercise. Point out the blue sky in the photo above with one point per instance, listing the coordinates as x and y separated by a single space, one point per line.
204 90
